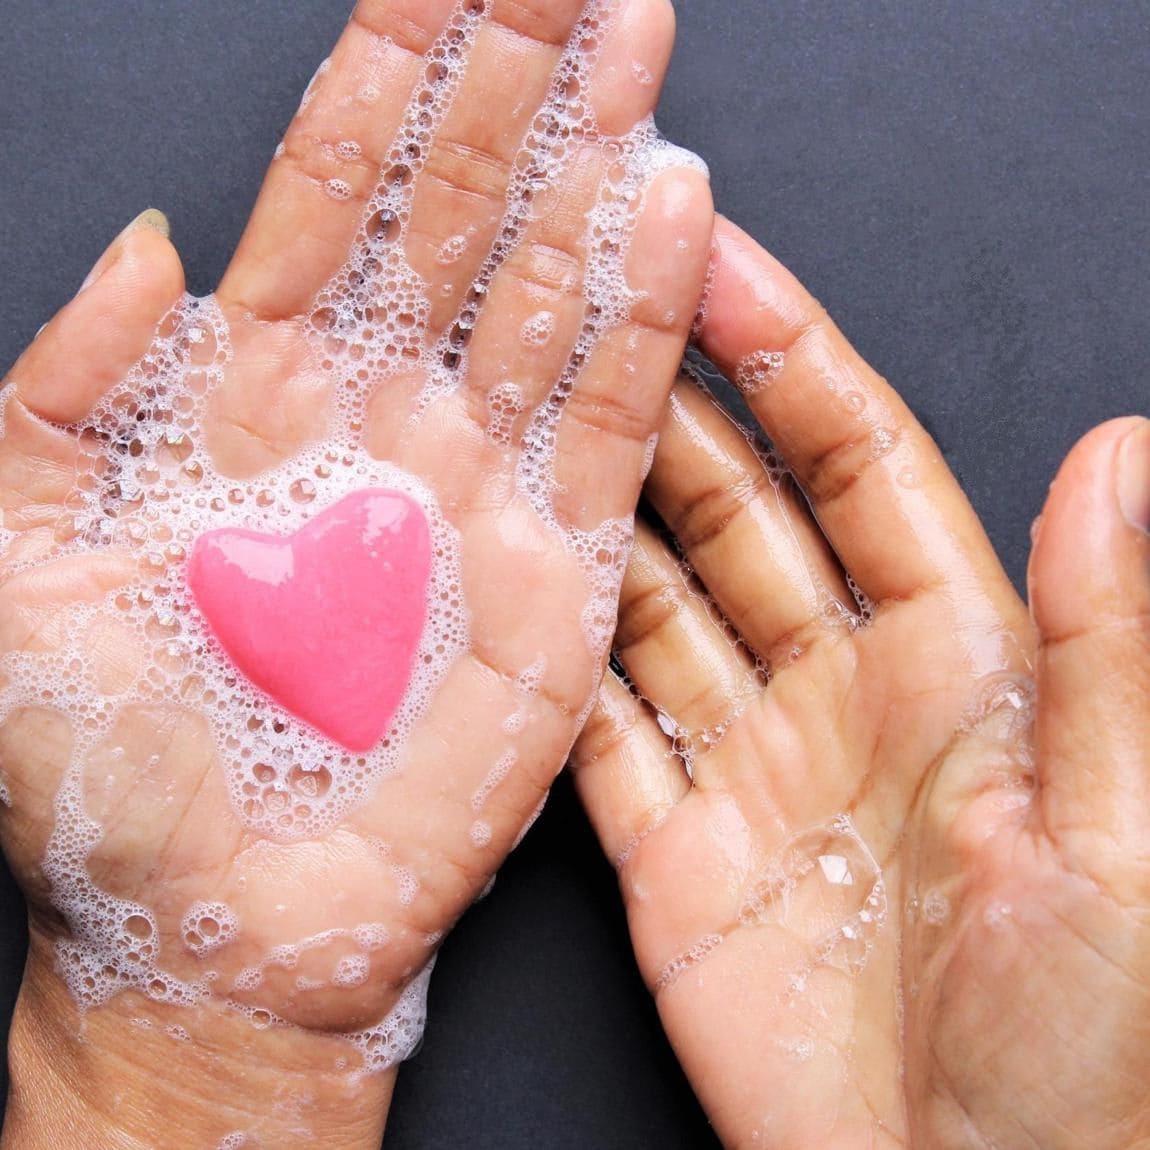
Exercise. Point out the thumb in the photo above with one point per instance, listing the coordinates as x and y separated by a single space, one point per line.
1090 597
94 340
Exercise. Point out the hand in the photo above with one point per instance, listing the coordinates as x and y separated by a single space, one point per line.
891 881
239 928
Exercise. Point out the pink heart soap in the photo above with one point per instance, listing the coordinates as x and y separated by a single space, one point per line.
328 620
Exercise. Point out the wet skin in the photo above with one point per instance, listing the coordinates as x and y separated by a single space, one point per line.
993 989
170 833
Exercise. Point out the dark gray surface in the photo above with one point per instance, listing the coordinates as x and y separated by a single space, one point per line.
962 183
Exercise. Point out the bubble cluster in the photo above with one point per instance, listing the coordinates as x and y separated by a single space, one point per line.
505 403
758 371
680 964
368 938
398 1036
514 723
114 944
539 329
704 312
863 602
351 971
935 908
494 777
529 679
452 250
208 926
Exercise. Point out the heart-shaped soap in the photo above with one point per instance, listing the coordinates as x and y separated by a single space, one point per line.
326 621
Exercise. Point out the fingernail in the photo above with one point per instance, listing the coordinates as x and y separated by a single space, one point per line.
151 218
1134 477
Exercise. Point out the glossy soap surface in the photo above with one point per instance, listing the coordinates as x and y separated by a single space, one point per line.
326 621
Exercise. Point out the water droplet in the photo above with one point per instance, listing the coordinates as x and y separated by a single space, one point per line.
935 908
836 870
882 442
450 251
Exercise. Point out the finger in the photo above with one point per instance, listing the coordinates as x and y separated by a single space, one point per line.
673 644
312 201
534 305
625 772
878 485
93 342
478 76
746 532
1090 595
618 397
461 195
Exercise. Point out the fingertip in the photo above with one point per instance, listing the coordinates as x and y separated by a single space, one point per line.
109 324
668 259
753 301
1090 564
1133 481
630 72
150 271
1090 596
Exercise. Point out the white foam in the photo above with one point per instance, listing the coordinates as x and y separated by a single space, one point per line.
758 371
514 723
208 926
493 778
398 1036
539 329
351 971
681 963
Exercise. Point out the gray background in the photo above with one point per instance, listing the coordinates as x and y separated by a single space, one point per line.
963 183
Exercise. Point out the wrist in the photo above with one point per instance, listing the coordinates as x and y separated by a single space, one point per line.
134 1073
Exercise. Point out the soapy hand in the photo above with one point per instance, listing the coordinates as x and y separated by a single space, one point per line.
883 839
462 297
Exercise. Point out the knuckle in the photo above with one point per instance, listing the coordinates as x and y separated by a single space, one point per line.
709 511
604 412
468 170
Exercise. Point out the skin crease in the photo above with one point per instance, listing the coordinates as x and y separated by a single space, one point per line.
115 1077
993 762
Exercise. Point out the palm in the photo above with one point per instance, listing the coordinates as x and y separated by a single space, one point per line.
505 406
873 911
